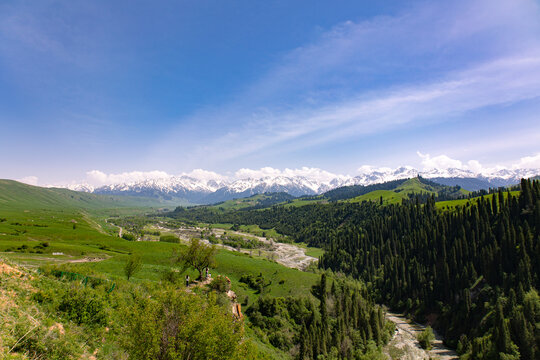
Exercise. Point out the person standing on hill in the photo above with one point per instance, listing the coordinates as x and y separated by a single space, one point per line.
187 280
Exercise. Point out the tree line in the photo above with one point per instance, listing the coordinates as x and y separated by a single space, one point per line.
472 271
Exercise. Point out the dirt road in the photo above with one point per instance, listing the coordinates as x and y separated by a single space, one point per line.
405 346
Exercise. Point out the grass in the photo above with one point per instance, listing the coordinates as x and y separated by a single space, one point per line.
302 202
237 204
75 227
388 196
262 200
410 187
249 229
453 204
16 195
311 251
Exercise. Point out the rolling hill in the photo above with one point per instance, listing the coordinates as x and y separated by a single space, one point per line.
258 201
16 195
391 192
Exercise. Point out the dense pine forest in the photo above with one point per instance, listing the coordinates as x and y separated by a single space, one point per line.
471 271
345 324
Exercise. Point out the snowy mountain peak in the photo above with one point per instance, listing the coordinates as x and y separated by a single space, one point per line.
215 189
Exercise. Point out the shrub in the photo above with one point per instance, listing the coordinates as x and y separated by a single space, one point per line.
169 239
133 265
220 284
426 337
255 282
129 237
170 275
207 332
83 306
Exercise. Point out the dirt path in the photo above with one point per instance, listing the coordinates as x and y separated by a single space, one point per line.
405 346
88 259
119 228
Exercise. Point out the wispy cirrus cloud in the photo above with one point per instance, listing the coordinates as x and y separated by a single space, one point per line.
431 64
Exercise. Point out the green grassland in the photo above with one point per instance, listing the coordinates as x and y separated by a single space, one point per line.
254 201
55 226
309 201
36 223
249 229
15 195
410 187
237 204
388 196
452 204
311 251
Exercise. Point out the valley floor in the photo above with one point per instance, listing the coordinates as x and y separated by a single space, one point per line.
405 346
288 255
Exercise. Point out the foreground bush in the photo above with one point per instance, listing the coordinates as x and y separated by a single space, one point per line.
178 325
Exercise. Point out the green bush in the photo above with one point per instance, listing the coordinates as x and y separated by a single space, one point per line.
170 275
169 239
426 337
128 237
220 284
207 331
255 282
83 306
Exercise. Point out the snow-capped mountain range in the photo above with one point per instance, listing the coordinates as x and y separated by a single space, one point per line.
205 191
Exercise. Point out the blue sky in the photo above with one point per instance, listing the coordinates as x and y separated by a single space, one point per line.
222 85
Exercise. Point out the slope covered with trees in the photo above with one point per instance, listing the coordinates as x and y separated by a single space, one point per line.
474 269
471 271
345 324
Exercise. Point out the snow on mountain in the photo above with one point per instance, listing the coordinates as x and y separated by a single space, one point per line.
200 190
375 176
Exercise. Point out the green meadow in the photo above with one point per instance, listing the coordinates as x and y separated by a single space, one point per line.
58 226
452 204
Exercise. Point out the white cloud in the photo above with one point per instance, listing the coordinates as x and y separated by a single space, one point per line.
368 169
439 162
98 178
30 180
428 163
475 166
314 174
528 162
444 162
205 175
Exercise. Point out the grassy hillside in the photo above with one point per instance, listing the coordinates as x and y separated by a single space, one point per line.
56 226
403 191
388 196
253 202
307 200
452 204
36 223
16 195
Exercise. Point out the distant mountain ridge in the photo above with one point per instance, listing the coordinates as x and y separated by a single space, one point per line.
204 191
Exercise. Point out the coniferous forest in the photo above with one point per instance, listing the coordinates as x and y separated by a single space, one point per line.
472 270
475 269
